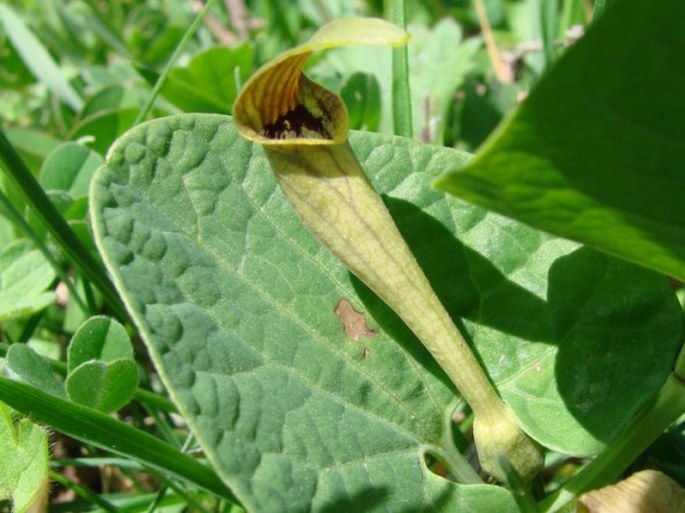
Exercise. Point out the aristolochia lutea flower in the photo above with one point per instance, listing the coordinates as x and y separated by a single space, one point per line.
303 129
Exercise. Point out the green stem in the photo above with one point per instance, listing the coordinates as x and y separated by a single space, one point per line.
648 425
462 471
679 370
83 492
396 12
549 16
172 60
520 489
600 5
40 203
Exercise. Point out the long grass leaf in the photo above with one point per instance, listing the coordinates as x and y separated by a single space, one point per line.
37 58
92 427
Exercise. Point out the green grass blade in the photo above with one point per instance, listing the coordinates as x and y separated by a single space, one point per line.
396 12
92 427
151 399
549 16
170 64
37 58
83 492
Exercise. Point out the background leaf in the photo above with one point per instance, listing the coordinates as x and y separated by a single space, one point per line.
603 166
236 303
104 386
29 367
112 97
13 71
439 61
102 372
210 81
25 275
33 146
104 126
362 96
69 168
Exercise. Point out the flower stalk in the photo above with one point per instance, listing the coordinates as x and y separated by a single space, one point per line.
303 129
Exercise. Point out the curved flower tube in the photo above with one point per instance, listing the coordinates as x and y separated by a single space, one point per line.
303 129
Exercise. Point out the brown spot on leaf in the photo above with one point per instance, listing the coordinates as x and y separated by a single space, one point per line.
366 353
353 322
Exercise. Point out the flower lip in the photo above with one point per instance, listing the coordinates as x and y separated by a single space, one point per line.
279 105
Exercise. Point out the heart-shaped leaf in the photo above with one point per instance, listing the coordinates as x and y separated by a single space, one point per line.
237 304
210 81
105 386
99 338
102 371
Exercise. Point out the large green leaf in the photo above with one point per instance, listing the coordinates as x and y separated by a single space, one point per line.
99 338
26 365
596 152
237 305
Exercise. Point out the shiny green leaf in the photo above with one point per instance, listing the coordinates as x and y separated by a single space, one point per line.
99 338
596 152
104 386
